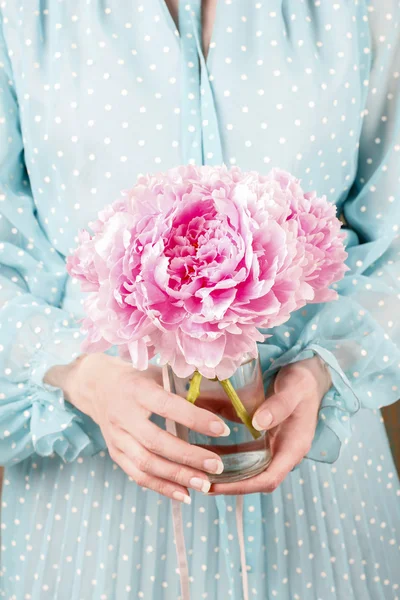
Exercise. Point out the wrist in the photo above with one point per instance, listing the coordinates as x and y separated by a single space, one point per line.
58 376
66 377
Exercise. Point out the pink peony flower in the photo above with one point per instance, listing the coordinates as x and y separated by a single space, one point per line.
319 233
191 263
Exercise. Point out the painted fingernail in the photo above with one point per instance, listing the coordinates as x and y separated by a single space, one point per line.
213 465
200 484
262 419
182 497
220 428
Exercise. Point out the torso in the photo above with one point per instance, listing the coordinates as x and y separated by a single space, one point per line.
100 94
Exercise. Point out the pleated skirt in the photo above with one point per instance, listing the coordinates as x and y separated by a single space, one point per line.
84 531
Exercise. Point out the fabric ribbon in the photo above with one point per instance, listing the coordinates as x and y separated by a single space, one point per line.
242 548
179 530
177 512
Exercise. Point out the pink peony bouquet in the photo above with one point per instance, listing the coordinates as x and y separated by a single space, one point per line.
191 263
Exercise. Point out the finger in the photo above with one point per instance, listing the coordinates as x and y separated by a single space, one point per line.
151 464
276 409
161 486
291 445
158 441
291 385
170 406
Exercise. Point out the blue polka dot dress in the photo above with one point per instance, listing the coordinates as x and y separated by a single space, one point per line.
95 92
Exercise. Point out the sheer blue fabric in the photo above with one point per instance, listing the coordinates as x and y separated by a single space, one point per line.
91 97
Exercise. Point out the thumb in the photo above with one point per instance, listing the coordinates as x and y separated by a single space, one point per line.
283 396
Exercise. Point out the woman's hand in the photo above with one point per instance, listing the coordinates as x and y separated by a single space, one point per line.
121 401
289 413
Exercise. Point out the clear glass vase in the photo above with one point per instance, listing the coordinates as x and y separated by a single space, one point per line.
242 454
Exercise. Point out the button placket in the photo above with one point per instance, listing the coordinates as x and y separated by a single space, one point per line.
201 141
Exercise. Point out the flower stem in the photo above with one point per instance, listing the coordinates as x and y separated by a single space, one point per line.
194 387
239 408
194 393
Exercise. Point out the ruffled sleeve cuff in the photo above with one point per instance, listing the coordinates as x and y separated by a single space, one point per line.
35 417
56 425
58 428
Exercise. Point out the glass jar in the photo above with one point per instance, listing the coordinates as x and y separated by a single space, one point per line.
245 452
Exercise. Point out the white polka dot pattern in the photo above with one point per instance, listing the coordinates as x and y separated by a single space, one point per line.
91 95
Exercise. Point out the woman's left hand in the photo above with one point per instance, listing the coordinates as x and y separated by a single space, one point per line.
289 413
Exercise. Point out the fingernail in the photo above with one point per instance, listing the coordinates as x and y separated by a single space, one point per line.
213 465
200 484
262 419
220 428
182 497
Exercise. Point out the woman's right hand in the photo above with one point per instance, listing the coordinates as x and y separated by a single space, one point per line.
121 401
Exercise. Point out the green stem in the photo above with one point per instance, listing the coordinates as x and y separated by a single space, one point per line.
194 387
239 408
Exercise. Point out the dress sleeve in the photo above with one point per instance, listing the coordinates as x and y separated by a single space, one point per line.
358 336
34 332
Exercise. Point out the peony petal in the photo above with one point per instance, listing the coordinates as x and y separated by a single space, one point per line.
139 355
